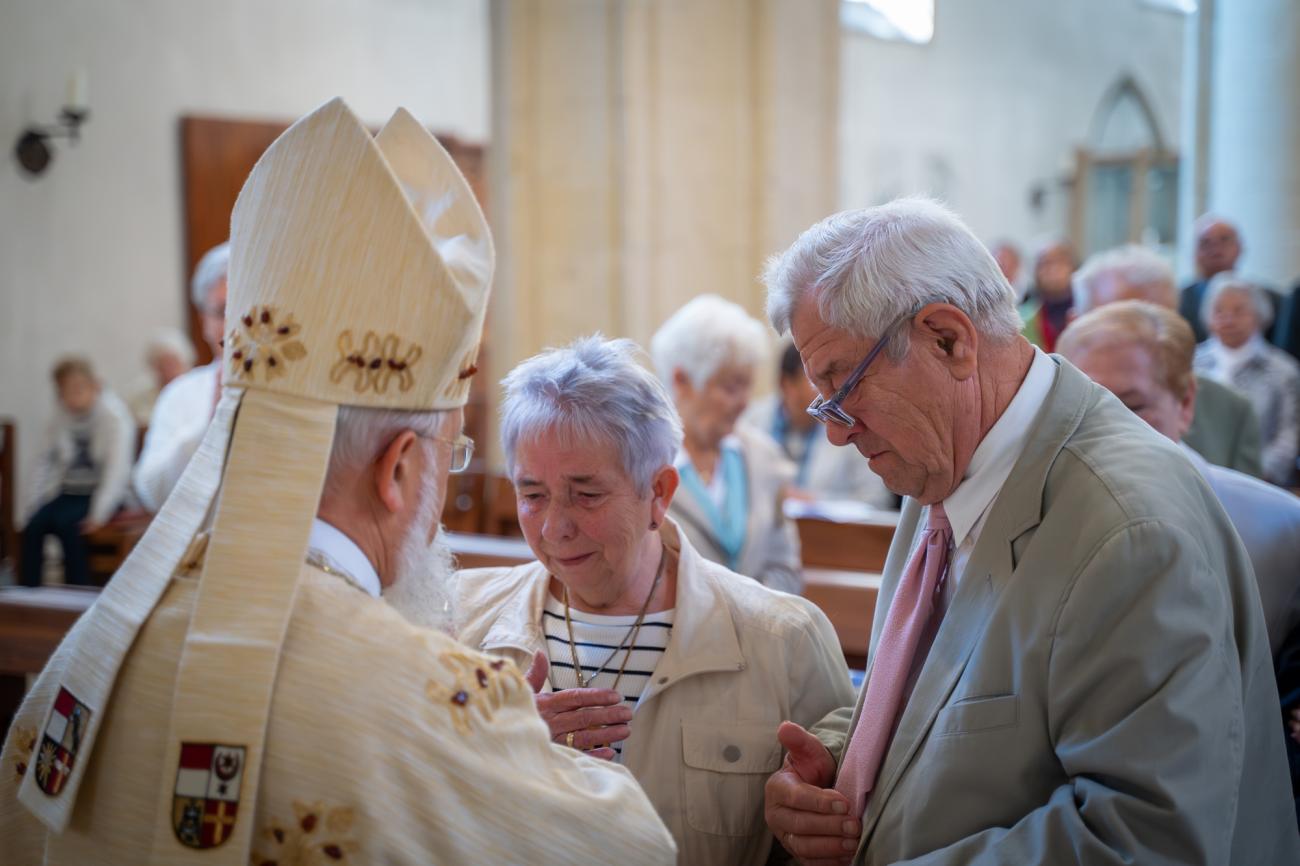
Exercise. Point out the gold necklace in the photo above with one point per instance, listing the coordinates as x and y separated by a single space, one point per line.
629 639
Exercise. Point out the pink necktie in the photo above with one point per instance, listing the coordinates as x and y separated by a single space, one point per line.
909 614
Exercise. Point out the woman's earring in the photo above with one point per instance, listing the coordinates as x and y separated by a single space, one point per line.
654 524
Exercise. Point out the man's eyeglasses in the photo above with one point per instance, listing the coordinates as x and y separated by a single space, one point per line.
829 411
462 451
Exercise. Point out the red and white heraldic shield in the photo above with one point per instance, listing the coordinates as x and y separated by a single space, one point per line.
60 741
207 793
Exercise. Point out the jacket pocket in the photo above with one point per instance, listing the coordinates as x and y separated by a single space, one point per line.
726 768
971 715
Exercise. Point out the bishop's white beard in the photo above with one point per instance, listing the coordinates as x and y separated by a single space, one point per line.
421 588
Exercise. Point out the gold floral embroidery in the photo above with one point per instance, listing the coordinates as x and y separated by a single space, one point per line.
45 762
317 835
24 745
264 343
376 363
479 689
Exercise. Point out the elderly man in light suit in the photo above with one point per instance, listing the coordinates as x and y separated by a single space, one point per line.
1068 663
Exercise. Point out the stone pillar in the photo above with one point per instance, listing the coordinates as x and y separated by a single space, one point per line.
1254 159
645 151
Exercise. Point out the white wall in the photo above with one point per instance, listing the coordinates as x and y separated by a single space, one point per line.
997 103
91 253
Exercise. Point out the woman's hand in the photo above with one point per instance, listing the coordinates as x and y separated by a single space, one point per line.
590 720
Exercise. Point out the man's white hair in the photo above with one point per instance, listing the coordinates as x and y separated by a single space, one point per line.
211 269
870 269
169 341
593 390
1139 267
1206 220
1229 281
361 433
706 333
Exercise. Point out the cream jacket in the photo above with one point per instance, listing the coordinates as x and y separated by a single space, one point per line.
386 744
742 658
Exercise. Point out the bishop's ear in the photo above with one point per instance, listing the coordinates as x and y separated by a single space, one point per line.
397 472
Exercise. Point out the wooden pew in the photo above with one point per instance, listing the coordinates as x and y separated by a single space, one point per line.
848 598
32 622
851 545
485 551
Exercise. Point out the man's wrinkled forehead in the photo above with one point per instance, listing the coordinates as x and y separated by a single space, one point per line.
826 350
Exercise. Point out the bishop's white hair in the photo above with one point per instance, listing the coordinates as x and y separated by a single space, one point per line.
361 433
705 334
872 268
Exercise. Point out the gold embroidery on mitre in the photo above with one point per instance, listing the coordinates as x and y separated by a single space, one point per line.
375 363
24 745
316 835
264 342
479 689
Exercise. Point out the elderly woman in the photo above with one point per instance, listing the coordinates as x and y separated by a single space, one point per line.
734 477
1236 312
658 658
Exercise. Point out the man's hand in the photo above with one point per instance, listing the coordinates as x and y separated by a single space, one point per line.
595 717
808 817
88 526
1293 725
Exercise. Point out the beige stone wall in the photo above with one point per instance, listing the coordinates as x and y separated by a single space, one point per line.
650 150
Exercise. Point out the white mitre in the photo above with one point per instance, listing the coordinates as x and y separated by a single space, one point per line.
359 275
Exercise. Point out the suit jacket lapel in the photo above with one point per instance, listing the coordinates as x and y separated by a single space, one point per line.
1016 510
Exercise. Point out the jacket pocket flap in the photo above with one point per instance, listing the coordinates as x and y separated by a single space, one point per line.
731 748
977 714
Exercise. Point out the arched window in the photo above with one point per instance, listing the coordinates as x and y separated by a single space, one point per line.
1126 179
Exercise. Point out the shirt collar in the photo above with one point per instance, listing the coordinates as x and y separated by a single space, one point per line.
997 453
342 555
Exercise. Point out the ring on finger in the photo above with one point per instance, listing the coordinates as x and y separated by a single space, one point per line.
568 739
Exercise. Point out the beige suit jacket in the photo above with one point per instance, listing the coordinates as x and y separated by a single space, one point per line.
1100 689
386 744
741 659
770 553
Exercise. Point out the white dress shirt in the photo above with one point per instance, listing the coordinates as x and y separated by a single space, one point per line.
176 427
342 556
968 506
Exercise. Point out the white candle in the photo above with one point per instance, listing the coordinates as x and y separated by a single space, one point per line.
77 89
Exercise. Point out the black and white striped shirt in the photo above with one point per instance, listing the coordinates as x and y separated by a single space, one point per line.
595 637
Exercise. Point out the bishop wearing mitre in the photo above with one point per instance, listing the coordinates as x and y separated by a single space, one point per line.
247 688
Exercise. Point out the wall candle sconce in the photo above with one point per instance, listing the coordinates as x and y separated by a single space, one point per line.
33 146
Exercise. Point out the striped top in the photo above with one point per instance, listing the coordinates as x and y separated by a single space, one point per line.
595 637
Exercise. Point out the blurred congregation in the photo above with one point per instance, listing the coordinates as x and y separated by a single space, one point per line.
649 173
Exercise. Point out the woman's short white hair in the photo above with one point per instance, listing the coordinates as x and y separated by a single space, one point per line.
1139 267
593 390
211 269
872 268
705 334
1227 281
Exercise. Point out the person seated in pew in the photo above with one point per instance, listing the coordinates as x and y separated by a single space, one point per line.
822 470
81 474
185 406
1225 429
168 356
1143 354
646 652
1237 313
734 478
